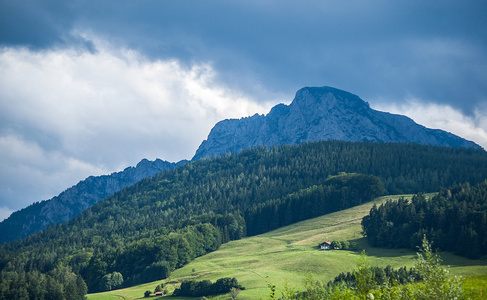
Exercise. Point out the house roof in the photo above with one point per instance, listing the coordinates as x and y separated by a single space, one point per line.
326 243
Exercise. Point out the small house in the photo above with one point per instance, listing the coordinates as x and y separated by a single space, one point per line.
325 246
159 294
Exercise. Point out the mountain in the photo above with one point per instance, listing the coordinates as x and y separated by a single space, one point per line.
321 113
316 113
74 200
145 231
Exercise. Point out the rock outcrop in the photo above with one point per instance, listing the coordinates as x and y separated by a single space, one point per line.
321 113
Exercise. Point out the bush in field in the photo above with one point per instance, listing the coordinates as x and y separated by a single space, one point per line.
436 282
336 245
158 288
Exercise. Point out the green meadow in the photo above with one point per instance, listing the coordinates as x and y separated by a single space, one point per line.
286 256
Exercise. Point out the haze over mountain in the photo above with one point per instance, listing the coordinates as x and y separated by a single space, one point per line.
322 113
74 200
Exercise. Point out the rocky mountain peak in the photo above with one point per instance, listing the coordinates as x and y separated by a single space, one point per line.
321 113
326 98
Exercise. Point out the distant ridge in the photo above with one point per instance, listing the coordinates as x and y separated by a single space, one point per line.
74 200
321 113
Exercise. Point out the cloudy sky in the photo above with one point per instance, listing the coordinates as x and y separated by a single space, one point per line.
91 87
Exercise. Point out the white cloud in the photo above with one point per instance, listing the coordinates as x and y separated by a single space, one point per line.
441 116
66 114
5 212
30 173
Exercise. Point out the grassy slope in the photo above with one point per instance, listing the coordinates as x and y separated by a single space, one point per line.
289 254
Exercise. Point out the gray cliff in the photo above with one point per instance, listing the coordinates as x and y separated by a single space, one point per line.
74 200
321 113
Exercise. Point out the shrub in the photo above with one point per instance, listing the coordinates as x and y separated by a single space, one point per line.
336 245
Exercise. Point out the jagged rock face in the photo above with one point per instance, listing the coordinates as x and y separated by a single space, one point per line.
74 200
321 113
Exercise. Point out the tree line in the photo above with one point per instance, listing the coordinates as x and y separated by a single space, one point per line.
379 276
455 220
146 230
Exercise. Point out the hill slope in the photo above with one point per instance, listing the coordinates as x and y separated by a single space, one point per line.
289 254
318 114
74 200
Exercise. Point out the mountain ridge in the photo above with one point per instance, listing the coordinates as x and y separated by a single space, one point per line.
316 113
321 113
77 198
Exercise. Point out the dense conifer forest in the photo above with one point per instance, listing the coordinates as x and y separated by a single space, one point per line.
147 230
454 220
340 192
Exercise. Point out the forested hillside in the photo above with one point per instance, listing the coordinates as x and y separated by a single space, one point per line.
455 220
144 231
340 192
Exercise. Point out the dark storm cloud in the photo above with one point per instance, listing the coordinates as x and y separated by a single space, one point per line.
36 24
378 49
434 50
